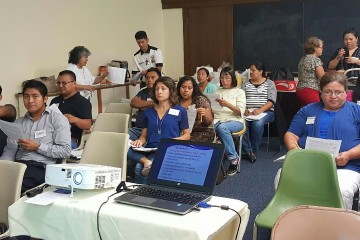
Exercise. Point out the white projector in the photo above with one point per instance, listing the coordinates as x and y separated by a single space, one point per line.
82 176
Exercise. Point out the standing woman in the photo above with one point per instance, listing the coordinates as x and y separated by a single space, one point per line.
166 119
229 118
348 56
310 70
78 58
260 98
203 78
189 94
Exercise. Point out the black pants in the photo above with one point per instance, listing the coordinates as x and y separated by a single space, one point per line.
34 174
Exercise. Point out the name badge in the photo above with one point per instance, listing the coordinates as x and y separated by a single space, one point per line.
174 112
40 133
148 99
310 120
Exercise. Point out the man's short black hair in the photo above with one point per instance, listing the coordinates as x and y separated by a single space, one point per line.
38 85
153 69
68 72
140 35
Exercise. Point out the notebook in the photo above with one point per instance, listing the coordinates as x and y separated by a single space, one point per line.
183 173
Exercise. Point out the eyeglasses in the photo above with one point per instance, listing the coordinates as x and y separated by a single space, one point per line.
320 46
330 93
63 83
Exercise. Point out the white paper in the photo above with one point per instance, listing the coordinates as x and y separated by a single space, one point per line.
45 198
12 130
280 159
191 112
255 117
76 153
136 77
141 149
214 103
327 145
117 75
144 149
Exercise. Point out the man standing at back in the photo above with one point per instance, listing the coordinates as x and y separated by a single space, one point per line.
147 57
75 107
142 101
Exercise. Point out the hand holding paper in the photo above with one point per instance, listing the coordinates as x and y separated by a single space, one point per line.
12 130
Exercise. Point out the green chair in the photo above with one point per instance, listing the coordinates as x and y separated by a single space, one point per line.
308 177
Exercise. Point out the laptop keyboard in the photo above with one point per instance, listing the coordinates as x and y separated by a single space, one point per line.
168 195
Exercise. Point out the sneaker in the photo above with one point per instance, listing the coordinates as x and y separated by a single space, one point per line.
252 157
232 170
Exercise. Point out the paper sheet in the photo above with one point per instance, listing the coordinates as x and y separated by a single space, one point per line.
327 145
255 117
141 149
144 149
117 75
76 153
214 103
191 112
12 130
280 159
45 198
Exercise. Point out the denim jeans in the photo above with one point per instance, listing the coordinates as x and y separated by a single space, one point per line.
223 132
254 132
134 133
136 156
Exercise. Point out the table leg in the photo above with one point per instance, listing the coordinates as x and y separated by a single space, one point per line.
99 98
127 92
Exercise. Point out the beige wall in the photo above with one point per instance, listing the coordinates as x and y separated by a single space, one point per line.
37 35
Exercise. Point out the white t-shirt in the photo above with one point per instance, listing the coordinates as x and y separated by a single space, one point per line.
83 77
151 58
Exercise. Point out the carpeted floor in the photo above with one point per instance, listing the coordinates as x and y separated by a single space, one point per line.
254 184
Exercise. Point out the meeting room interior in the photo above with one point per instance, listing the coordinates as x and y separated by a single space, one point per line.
36 38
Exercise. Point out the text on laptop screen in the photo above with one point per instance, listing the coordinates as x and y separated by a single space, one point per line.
186 164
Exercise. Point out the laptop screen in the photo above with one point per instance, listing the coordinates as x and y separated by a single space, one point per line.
186 165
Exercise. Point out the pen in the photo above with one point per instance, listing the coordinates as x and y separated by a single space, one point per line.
201 117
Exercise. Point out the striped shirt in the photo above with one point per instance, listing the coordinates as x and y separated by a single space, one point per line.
258 95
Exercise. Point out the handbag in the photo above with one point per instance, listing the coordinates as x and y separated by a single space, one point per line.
281 73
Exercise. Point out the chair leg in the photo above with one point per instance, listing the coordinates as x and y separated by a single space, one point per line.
223 168
254 232
240 148
355 205
268 139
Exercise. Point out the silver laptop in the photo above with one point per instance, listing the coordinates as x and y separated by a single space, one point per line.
183 173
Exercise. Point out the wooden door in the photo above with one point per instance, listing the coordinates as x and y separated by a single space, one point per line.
207 37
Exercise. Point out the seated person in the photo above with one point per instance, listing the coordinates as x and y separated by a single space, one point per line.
7 113
355 94
203 78
166 119
229 119
332 118
189 94
47 134
260 98
76 108
142 101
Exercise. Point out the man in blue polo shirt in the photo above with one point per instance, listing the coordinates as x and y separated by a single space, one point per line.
75 107
143 100
147 57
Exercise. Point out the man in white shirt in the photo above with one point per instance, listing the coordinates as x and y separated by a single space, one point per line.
147 56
